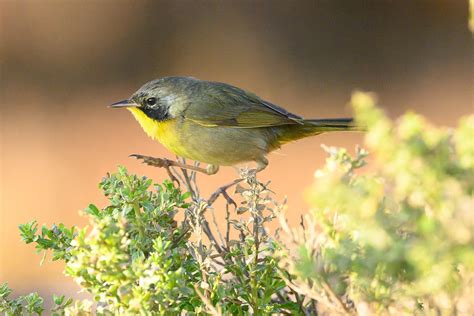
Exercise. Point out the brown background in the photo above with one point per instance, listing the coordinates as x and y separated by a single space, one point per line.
63 62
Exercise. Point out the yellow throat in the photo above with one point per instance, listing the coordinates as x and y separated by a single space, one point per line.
163 131
150 126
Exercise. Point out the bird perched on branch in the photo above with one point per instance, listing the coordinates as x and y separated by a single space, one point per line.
217 123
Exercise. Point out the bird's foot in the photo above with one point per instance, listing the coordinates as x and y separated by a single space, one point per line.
154 162
167 164
262 163
158 162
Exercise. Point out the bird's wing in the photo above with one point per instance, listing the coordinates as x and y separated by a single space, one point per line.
219 104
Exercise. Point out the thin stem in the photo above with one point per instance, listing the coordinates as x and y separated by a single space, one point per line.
256 223
335 297
212 239
214 221
227 219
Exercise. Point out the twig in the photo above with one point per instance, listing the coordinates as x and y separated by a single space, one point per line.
188 180
227 219
212 239
211 309
335 297
214 221
308 292
303 226
299 301
180 237
222 191
314 304
175 175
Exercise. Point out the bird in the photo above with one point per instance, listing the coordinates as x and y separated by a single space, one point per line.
217 123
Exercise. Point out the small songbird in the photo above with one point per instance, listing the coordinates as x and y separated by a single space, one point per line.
217 123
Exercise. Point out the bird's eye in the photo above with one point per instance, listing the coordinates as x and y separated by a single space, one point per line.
151 101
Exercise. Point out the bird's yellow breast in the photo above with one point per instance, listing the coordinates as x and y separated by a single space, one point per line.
163 131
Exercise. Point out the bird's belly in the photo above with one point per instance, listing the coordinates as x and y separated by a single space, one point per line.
215 145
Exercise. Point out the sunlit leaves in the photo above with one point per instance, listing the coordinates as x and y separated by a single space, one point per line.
400 232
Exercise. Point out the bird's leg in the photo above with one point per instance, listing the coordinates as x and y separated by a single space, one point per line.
157 162
262 163
167 163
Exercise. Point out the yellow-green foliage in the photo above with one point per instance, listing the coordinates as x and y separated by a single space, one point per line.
397 236
139 259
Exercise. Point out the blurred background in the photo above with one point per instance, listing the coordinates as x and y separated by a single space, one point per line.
63 62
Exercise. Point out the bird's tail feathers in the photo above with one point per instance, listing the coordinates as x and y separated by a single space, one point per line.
312 127
329 125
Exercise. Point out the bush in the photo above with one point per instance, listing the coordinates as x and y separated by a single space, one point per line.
138 259
395 238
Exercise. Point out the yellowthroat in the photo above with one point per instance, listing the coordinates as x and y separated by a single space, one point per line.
217 123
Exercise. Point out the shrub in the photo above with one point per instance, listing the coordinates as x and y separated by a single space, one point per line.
398 237
137 258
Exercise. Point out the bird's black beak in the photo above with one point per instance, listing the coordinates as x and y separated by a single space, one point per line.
124 104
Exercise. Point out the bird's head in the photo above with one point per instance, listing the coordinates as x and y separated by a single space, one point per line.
152 99
159 99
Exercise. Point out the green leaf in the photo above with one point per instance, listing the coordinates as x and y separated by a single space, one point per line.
93 210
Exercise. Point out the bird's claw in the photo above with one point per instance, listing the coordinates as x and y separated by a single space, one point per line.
152 161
